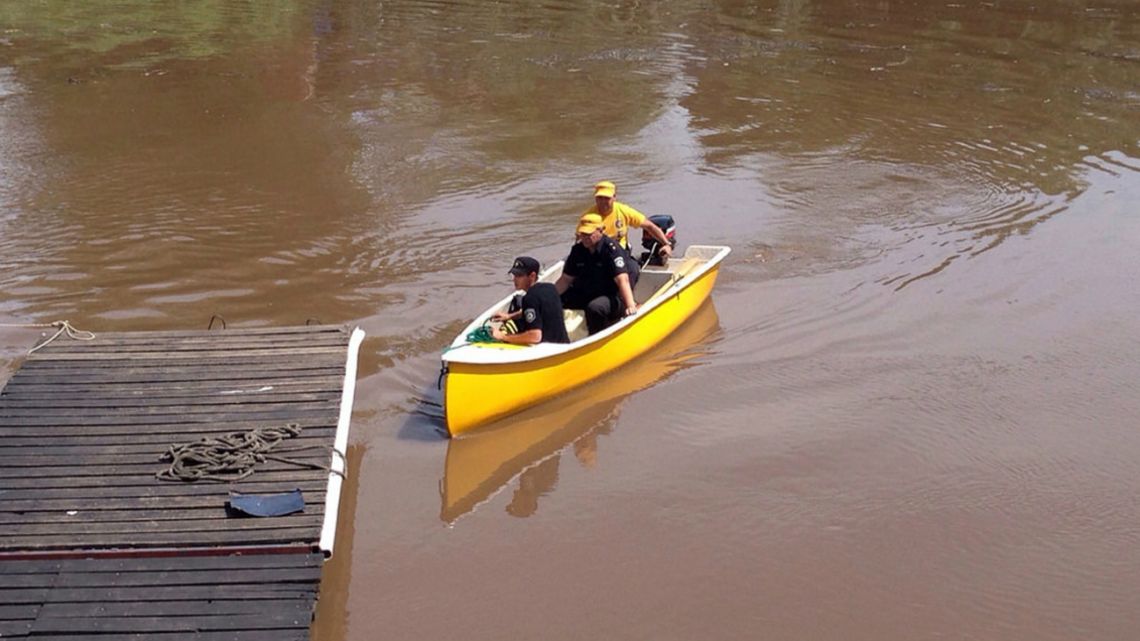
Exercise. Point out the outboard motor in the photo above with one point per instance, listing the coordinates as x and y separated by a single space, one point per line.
650 244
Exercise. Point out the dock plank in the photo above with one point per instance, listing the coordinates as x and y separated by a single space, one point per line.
278 414
63 368
284 479
235 333
138 376
35 462
234 635
161 564
200 539
168 608
242 597
130 530
222 406
98 494
90 401
181 577
177 509
159 434
330 383
162 355
39 451
18 612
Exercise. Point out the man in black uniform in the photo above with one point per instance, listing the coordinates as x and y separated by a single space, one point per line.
539 317
596 277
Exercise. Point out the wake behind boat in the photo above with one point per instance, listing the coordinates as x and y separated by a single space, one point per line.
483 381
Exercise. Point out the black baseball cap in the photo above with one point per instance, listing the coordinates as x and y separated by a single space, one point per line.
524 265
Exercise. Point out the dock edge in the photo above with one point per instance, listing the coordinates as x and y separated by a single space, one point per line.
338 461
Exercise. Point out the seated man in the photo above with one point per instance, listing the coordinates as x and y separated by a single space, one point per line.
539 317
619 217
596 277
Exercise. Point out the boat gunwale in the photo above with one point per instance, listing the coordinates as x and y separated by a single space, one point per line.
529 355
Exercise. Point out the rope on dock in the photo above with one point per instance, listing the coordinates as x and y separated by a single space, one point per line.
233 456
64 327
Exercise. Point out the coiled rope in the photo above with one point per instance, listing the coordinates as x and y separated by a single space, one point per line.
233 456
63 327
481 334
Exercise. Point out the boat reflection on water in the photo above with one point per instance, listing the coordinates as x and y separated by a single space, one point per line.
529 444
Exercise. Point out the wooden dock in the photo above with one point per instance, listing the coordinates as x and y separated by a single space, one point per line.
82 427
268 597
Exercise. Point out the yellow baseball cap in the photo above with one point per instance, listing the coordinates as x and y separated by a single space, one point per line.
605 188
588 223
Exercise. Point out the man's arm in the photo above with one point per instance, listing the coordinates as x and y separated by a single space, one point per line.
504 316
626 293
529 337
563 283
659 236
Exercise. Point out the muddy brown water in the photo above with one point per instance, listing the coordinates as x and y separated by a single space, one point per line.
908 413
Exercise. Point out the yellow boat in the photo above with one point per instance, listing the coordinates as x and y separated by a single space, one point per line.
486 381
478 465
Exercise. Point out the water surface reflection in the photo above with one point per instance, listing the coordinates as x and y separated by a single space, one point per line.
918 417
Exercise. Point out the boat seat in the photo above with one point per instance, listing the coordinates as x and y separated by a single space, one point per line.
649 282
655 281
575 320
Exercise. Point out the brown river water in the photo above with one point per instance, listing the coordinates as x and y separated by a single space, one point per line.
909 412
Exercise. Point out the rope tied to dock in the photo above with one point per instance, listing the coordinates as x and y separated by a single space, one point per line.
63 327
232 457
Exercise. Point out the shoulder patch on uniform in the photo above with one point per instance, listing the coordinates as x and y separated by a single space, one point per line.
530 314
619 262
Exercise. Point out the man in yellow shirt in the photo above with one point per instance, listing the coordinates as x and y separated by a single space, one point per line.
619 217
